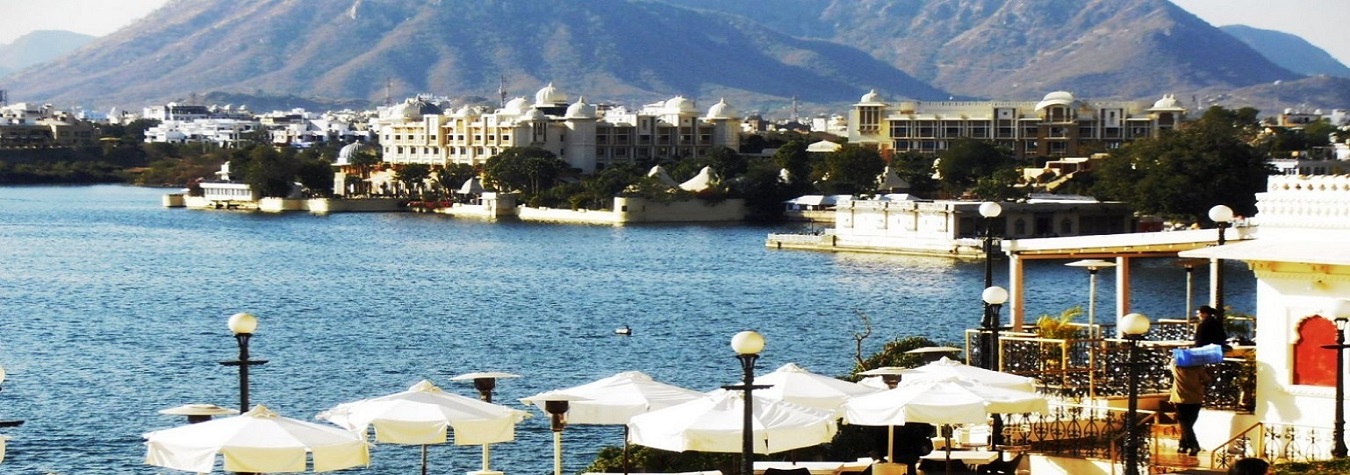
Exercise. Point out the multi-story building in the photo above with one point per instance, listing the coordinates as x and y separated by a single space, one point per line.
1059 125
30 125
586 136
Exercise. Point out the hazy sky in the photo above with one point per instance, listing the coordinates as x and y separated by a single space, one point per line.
1321 22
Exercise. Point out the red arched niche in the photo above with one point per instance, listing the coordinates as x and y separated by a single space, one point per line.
1314 365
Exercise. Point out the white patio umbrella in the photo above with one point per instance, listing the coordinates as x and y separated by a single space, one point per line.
793 384
941 401
713 423
256 441
424 414
947 368
616 399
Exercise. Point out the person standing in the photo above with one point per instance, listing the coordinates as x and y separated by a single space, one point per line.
1210 329
1188 395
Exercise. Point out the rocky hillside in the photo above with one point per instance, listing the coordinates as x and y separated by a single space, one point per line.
603 49
757 54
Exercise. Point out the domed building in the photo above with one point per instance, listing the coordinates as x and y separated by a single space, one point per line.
589 137
1059 125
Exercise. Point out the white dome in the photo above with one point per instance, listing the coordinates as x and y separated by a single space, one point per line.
580 110
515 106
1168 102
549 95
346 153
722 110
411 109
1057 98
679 105
871 98
535 115
467 112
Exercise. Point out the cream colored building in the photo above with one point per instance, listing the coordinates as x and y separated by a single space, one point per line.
586 136
1060 125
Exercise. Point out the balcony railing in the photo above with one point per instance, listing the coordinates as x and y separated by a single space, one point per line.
1096 368
1081 431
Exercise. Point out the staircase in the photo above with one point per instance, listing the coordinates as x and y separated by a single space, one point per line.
1166 438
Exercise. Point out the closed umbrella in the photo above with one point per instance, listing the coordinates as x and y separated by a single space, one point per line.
793 384
713 423
256 441
425 414
616 399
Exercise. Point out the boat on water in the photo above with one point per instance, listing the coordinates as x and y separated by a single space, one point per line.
623 330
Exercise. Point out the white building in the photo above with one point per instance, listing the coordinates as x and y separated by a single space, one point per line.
1302 266
588 137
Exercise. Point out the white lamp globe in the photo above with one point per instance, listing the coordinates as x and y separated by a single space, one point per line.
747 343
242 323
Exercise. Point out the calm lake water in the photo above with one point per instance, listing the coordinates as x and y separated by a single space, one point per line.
112 308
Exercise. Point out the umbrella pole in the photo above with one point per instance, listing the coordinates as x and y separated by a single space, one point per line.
625 449
424 459
557 452
487 458
948 434
890 444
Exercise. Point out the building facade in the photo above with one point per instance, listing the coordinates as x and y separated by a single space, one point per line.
588 137
1060 125
27 125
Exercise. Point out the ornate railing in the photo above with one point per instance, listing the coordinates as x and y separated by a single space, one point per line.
1276 443
1080 431
1093 368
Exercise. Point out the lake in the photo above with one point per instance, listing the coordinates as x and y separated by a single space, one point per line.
115 308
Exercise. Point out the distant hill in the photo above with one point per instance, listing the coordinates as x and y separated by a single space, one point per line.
605 49
39 47
1289 51
1132 49
759 55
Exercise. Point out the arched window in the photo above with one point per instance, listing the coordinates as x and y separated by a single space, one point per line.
1314 365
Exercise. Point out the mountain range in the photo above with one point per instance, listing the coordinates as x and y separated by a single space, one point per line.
760 56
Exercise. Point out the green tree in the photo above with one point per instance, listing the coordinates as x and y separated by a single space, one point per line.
316 175
453 176
1184 172
917 169
413 176
794 158
526 169
966 161
1000 186
269 171
852 169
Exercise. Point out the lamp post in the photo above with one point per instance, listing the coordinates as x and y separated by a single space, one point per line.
557 411
1342 316
1133 327
485 382
994 297
747 345
1222 217
989 210
1092 265
243 324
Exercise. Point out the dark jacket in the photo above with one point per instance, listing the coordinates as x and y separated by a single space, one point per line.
1210 331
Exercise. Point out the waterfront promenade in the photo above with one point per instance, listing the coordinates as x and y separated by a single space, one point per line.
121 307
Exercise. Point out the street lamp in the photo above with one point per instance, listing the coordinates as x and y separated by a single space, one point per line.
994 297
747 345
1341 312
1092 265
485 382
1133 327
1222 216
989 210
243 324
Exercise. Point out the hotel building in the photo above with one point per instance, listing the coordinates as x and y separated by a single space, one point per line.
584 135
1060 125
